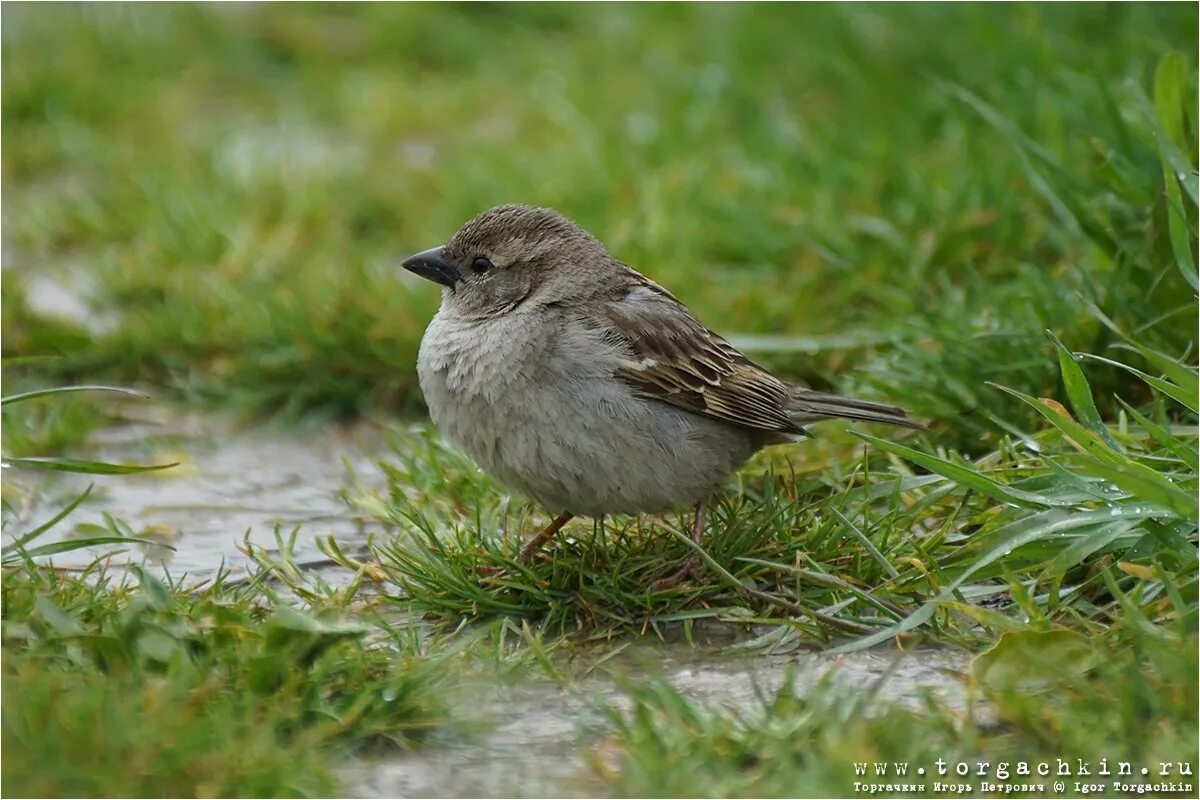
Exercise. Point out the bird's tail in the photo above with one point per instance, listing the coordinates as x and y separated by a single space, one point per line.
806 406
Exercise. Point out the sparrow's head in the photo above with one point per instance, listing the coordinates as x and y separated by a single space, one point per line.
512 255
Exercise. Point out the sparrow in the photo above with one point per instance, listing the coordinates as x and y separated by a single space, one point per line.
579 382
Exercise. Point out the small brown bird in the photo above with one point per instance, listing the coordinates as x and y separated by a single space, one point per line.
587 386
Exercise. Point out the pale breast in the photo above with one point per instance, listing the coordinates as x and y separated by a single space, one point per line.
538 406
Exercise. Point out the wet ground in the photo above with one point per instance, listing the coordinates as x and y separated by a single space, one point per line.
531 737
540 735
229 484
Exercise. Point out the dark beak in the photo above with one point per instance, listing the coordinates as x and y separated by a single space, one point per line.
432 265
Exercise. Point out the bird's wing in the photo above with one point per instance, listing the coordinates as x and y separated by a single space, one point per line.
674 358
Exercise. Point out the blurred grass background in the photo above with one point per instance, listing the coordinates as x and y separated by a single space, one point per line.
909 196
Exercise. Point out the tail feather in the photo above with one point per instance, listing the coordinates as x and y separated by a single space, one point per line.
809 406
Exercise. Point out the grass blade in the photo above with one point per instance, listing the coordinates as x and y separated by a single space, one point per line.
1183 376
1079 392
1085 545
79 465
1089 442
1138 479
1015 534
69 545
1147 485
31 395
866 543
963 475
1177 227
45 526
1183 452
1187 397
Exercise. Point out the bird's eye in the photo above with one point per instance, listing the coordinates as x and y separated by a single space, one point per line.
480 265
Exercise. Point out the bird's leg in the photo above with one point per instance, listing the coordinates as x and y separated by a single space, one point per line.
544 535
532 546
691 567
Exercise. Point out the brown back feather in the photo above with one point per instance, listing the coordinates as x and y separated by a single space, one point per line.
679 361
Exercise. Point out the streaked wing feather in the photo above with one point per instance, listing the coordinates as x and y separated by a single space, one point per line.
679 361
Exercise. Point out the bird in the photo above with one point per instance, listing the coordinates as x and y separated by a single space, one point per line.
577 381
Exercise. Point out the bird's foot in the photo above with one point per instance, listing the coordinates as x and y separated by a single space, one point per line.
689 571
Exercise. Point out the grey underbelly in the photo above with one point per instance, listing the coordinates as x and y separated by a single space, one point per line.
612 453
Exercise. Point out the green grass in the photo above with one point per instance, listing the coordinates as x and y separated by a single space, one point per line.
132 686
985 214
1134 700
155 690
